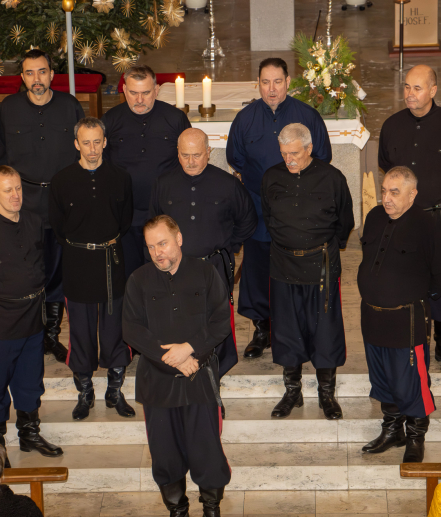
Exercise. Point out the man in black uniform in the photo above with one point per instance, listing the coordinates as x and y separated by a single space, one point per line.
90 208
401 264
142 136
214 211
411 138
36 138
176 312
307 208
21 316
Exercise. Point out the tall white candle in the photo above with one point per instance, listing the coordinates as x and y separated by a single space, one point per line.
206 93
179 86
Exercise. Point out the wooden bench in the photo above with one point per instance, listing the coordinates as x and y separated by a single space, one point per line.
160 79
87 89
430 471
9 84
36 478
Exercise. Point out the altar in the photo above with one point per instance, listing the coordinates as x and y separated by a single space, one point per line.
348 136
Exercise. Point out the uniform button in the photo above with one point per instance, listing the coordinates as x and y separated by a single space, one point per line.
18 131
40 112
166 138
173 293
296 204
121 139
413 163
65 129
389 222
144 123
143 150
175 308
382 249
41 125
418 127
416 145
93 196
298 186
275 132
170 202
216 202
193 203
193 188
192 217
386 236
196 294
153 298
275 120
93 180
42 137
143 135
93 188
296 195
403 251
377 263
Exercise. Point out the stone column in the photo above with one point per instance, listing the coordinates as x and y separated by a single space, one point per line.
272 24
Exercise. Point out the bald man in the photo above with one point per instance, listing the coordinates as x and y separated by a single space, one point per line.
214 211
411 138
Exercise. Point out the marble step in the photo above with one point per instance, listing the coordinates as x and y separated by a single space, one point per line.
248 421
288 466
61 387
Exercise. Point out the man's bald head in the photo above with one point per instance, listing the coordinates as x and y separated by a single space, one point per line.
193 151
424 73
419 89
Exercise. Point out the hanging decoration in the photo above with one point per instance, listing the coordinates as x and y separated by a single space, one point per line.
2 68
52 33
121 37
101 46
161 36
173 12
17 34
85 53
127 7
103 6
123 61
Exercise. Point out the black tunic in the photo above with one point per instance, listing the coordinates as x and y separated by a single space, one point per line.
401 263
303 211
145 146
214 210
38 141
21 274
160 308
415 142
90 207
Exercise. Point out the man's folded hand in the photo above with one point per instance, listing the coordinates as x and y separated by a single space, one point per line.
177 353
188 367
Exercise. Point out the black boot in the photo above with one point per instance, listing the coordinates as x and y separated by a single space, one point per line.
293 396
392 432
210 499
327 378
28 425
114 397
261 339
416 428
437 337
86 398
175 499
3 442
54 314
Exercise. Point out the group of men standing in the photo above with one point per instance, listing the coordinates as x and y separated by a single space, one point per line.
132 198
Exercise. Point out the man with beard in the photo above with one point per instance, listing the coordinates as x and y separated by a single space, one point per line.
252 148
176 312
142 136
36 138
214 211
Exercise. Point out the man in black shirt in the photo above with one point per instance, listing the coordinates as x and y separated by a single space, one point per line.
36 138
90 208
411 138
21 316
401 265
214 211
307 208
176 312
142 136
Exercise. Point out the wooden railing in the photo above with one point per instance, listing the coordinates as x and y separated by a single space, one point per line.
430 471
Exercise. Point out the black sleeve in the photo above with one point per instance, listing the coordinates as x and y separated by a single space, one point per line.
245 216
345 213
264 201
3 153
383 155
236 153
56 213
155 205
127 215
105 120
435 265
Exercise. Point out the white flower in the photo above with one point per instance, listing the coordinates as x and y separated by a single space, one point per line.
310 76
321 61
327 80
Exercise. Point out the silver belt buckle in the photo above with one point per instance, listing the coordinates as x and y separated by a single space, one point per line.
91 246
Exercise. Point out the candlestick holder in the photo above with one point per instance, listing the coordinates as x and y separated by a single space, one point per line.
213 46
185 109
329 25
207 112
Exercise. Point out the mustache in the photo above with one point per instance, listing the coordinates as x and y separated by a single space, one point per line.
292 164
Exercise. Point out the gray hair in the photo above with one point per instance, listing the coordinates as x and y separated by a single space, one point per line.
401 171
89 122
139 73
293 132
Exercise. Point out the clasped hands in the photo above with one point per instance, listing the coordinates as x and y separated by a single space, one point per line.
179 356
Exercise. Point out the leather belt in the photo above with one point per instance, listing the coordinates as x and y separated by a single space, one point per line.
227 267
324 269
109 246
31 297
432 208
42 184
410 306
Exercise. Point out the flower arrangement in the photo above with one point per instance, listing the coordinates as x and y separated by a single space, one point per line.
326 83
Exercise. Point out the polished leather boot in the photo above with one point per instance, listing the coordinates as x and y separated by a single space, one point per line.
392 430
293 397
86 398
28 425
416 428
54 315
210 499
437 338
326 378
3 442
261 339
114 397
175 499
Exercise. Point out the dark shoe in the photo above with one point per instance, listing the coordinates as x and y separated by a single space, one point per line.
86 398
392 432
3 442
261 339
28 425
437 338
114 397
293 397
210 499
54 314
175 499
416 428
326 378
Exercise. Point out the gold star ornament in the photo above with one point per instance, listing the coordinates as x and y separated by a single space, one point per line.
127 7
52 33
161 36
173 11
10 3
101 45
103 6
85 53
17 33
123 61
2 68
121 37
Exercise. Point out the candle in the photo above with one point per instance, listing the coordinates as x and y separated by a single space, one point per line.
179 86
206 93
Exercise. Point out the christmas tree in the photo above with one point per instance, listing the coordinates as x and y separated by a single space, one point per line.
119 29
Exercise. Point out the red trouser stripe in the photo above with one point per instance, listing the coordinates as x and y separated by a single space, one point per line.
69 347
422 371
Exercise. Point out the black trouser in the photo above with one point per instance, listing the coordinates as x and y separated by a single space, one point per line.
52 265
186 439
84 319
